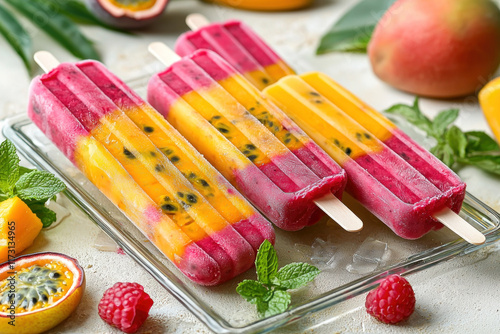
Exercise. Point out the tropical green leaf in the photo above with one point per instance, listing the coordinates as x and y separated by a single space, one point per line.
58 26
353 30
16 36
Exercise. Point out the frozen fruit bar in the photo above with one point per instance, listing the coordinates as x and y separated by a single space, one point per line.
183 205
250 141
392 176
241 47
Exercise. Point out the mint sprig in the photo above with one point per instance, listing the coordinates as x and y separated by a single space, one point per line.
269 293
32 186
453 146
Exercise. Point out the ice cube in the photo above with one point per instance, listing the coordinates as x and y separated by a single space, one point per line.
368 257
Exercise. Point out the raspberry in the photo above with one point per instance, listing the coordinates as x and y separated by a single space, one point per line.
125 306
393 301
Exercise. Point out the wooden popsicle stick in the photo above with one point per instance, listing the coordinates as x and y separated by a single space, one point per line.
458 225
163 53
196 21
46 60
340 213
330 204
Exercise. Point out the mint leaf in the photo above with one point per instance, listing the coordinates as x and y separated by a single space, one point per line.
9 167
413 115
38 185
252 291
489 163
457 140
444 119
278 303
46 215
478 141
266 262
296 275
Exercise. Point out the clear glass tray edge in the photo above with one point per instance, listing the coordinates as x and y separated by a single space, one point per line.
211 319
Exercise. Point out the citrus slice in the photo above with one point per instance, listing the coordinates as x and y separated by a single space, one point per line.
38 291
489 99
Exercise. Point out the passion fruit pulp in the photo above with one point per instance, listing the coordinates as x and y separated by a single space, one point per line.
127 14
38 291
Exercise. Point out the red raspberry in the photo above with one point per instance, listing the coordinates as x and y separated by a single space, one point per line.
393 301
125 306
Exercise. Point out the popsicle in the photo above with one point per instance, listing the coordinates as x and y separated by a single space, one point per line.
250 141
237 44
401 183
145 167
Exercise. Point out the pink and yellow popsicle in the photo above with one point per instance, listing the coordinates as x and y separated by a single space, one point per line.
405 186
250 141
172 194
237 44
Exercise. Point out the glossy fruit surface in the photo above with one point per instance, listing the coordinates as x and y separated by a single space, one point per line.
38 291
439 48
127 14
19 226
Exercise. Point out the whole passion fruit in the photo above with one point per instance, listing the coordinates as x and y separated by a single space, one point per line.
38 291
127 14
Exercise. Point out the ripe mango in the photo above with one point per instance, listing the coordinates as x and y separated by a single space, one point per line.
19 226
437 48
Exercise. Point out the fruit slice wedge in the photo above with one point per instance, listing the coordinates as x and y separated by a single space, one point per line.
38 291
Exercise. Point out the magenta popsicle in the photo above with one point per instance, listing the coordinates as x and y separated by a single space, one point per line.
174 196
250 141
238 45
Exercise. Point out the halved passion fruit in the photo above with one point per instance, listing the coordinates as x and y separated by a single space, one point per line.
38 291
127 13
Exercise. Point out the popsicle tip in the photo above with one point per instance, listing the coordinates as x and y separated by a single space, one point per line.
46 60
163 53
340 213
196 21
461 227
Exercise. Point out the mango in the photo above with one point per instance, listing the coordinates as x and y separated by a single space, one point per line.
437 48
19 226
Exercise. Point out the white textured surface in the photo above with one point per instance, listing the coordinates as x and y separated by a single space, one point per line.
461 295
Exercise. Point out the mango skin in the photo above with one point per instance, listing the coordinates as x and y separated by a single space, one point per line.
437 48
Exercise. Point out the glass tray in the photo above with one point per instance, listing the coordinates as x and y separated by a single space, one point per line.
220 308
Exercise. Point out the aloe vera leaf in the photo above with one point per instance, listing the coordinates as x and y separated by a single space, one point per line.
56 25
16 36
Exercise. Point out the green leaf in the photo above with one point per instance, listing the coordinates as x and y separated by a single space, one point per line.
278 303
296 275
413 115
489 163
252 291
9 167
16 36
448 156
266 262
58 26
353 30
457 141
443 120
38 185
478 141
46 215
78 12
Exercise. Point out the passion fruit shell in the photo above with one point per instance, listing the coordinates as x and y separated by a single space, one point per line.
127 14
38 291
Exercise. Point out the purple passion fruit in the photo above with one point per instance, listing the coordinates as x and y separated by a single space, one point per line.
38 291
127 14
